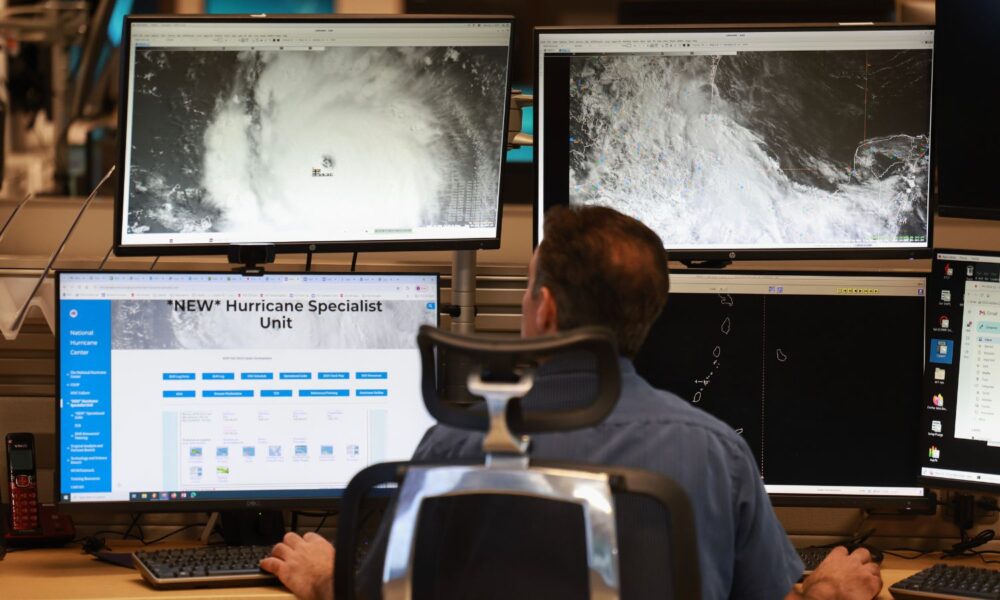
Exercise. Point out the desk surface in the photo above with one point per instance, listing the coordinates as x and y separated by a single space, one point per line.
67 573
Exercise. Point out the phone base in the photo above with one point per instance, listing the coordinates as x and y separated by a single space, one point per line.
55 530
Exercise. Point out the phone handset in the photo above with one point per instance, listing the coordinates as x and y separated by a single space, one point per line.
23 484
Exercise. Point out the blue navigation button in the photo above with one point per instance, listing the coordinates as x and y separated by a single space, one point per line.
178 376
227 394
256 375
296 375
275 393
319 393
334 375
218 376
371 392
371 375
178 393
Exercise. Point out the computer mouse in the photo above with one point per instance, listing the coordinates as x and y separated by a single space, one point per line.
875 552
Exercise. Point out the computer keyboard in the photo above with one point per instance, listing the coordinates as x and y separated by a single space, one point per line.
948 582
204 566
811 557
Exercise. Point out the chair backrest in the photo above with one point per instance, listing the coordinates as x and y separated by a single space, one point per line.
502 372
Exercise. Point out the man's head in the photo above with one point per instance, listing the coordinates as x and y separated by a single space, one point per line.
595 266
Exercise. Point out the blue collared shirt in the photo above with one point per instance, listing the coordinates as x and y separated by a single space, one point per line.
744 551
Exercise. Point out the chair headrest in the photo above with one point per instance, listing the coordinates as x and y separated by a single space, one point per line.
507 360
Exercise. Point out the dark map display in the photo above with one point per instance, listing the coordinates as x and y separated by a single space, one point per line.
756 149
824 389
346 139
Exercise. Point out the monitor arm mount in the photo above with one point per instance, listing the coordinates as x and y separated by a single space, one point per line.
251 256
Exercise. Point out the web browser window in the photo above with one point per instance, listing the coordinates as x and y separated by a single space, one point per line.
221 386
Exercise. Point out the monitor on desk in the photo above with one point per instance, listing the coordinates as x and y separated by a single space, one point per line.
819 373
311 133
185 391
742 142
961 395
967 125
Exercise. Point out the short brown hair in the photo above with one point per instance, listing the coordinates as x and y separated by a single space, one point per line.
604 268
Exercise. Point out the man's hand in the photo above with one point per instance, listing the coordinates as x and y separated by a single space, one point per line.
843 576
304 565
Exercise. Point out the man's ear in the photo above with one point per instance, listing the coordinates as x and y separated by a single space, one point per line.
547 313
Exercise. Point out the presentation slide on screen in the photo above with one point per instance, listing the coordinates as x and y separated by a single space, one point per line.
206 385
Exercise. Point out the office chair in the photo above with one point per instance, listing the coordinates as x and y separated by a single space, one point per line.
502 373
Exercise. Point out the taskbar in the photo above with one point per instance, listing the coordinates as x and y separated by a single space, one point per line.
199 495
205 495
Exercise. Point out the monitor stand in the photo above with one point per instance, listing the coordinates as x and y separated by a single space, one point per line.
252 527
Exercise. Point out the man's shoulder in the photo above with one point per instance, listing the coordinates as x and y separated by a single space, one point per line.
661 412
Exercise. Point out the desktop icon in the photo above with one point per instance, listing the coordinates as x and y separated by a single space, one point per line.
942 351
249 451
274 451
970 271
936 426
948 270
301 451
326 450
944 322
945 295
933 453
195 452
937 400
353 452
938 374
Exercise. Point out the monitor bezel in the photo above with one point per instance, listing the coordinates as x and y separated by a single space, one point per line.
922 504
120 249
211 504
541 205
941 482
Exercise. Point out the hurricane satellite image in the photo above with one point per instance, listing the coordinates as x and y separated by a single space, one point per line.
344 139
756 149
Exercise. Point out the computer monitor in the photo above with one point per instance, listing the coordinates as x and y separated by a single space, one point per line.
183 391
312 133
819 373
966 124
742 142
961 433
